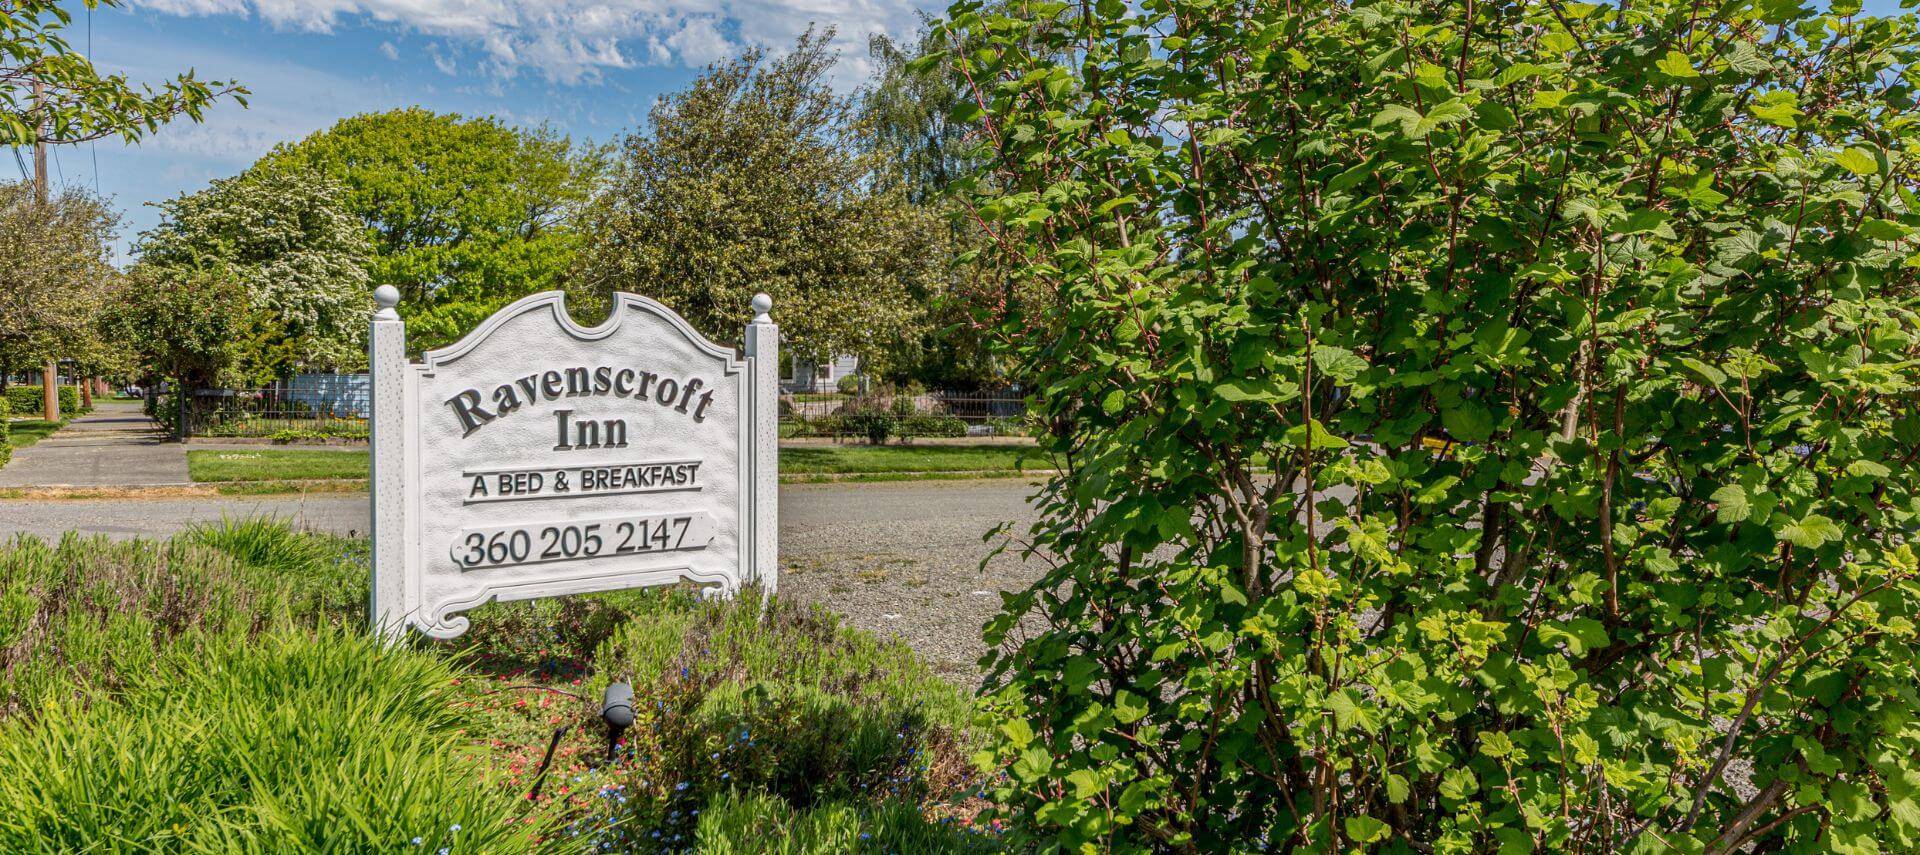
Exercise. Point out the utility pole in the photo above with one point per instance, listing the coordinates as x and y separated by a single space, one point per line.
49 375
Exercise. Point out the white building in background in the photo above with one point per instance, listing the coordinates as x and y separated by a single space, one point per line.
799 374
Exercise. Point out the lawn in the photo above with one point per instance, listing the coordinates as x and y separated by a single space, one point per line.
25 432
852 459
292 464
275 464
220 691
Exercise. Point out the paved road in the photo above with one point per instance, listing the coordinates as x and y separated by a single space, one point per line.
115 445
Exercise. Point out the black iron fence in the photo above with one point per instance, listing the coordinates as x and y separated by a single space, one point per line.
308 406
881 415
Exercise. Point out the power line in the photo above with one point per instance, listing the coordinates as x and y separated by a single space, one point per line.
21 162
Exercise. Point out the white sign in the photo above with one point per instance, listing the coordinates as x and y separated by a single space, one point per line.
537 458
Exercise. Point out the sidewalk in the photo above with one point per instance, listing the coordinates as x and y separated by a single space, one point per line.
116 445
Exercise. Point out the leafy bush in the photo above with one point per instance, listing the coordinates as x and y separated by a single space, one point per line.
932 425
849 385
772 700
1650 267
756 823
296 742
869 419
70 402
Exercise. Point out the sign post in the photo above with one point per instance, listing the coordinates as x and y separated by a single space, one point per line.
538 458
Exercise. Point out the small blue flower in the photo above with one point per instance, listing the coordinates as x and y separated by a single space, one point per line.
456 827
416 841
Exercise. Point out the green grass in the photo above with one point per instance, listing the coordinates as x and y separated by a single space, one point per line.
25 432
866 462
275 464
873 459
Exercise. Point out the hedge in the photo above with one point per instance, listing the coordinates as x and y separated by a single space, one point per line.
27 399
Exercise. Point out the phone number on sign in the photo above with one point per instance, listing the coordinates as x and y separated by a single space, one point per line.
573 540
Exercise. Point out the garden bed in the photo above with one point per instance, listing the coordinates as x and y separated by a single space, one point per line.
222 686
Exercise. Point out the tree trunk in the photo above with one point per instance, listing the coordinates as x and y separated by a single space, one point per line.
180 409
50 392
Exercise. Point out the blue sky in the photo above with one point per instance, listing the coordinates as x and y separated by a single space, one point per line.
590 68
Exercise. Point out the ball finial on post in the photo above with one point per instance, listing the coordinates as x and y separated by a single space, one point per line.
762 304
386 297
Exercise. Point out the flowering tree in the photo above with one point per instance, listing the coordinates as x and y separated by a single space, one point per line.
286 239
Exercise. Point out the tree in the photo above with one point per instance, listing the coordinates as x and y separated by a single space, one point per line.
51 94
55 262
285 237
186 323
1482 427
464 215
752 180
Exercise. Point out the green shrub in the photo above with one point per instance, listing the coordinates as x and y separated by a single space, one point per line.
1649 268
849 385
296 742
774 700
932 425
742 823
6 431
70 401
865 418
25 400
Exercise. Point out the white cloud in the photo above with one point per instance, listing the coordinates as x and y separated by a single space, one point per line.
574 41
389 51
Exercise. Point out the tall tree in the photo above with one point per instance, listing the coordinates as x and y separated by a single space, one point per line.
463 215
55 262
285 236
49 93
752 179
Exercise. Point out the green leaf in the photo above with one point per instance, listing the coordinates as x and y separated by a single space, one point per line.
1244 389
1338 362
1114 402
1459 784
1858 161
1467 422
1676 65
1365 829
1128 707
1707 372
1810 532
1397 789
1298 436
1779 107
1731 504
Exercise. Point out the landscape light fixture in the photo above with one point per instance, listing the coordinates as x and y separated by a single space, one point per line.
616 709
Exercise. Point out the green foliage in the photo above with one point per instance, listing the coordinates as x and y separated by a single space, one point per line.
772 700
56 273
31 400
77 103
1642 273
755 823
87 614
296 742
752 180
183 322
6 431
463 215
286 235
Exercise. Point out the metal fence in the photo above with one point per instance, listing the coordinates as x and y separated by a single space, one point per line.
939 413
306 406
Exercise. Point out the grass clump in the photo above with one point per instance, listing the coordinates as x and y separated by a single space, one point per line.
295 742
742 823
88 613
